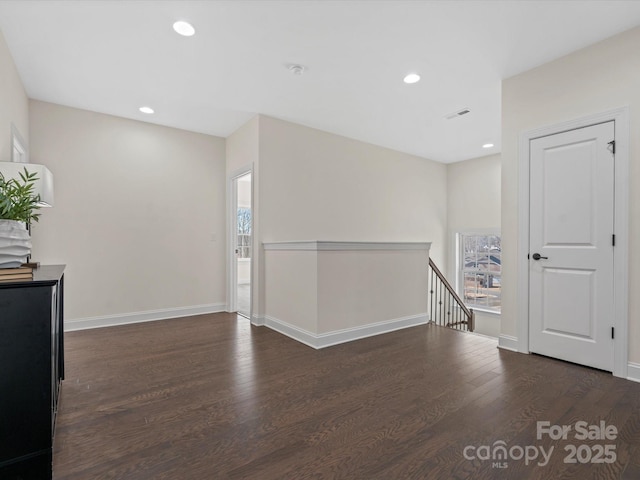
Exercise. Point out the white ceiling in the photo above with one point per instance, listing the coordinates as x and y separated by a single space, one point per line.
115 56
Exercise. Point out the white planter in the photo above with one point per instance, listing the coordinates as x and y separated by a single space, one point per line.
15 243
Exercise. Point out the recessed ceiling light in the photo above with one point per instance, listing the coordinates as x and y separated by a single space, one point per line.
487 145
184 28
412 78
147 110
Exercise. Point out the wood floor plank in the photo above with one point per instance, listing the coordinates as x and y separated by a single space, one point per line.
212 397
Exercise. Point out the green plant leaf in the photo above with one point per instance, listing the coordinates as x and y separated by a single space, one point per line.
17 201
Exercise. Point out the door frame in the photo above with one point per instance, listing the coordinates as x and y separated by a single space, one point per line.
620 116
232 227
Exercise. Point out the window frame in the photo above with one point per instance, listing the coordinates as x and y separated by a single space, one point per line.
460 270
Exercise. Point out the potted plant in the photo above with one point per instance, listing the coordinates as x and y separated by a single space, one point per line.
18 209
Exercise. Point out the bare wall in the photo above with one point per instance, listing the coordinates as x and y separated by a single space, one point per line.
139 216
316 185
320 186
14 104
473 193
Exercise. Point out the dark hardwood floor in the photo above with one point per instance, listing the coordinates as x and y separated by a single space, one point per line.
211 397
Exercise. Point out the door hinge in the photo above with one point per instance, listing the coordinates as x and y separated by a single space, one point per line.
613 239
613 332
613 146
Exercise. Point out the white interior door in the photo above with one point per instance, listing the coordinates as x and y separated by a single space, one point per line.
571 306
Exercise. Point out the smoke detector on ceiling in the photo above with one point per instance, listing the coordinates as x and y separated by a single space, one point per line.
457 114
297 69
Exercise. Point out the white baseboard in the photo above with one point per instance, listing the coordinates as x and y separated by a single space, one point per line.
633 372
139 317
257 320
336 337
483 335
508 342
291 331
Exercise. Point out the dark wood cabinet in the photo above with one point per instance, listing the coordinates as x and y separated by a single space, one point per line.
31 368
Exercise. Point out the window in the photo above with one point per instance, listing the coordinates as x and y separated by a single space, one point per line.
244 232
479 270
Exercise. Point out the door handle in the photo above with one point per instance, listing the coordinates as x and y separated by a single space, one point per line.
537 256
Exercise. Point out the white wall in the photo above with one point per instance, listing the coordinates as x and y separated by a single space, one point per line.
291 289
241 148
358 288
136 212
473 203
323 293
320 186
595 79
316 185
14 104
473 193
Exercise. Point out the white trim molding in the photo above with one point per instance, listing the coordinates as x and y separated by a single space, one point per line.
621 220
323 340
291 331
633 372
317 245
507 342
482 335
140 317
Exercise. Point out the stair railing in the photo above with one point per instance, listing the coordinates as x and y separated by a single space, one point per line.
446 308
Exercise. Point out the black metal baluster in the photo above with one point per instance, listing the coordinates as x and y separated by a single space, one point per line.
449 308
440 303
430 294
437 301
435 304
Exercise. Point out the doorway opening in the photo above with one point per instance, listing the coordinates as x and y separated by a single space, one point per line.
242 243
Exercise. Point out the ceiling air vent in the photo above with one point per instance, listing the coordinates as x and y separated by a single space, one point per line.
459 113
